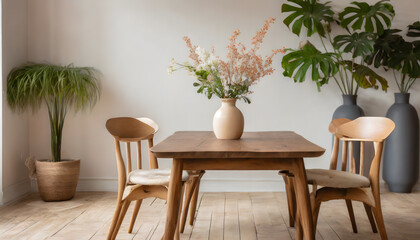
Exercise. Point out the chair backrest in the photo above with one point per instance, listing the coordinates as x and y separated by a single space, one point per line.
128 130
362 129
333 127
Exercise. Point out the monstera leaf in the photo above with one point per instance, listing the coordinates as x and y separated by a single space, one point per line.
360 44
392 51
407 60
366 77
385 45
307 13
371 17
296 64
414 30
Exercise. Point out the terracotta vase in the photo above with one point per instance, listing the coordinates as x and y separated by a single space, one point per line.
228 121
57 181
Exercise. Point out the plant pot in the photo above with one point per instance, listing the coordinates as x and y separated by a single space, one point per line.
401 154
57 181
228 121
349 109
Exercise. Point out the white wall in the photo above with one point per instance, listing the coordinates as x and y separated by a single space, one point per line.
132 42
15 128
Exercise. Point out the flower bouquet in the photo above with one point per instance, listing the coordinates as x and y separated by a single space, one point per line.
231 78
228 79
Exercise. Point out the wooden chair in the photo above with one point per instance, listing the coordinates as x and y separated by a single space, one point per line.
345 185
191 197
135 185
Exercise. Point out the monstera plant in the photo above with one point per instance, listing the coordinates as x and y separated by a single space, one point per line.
402 57
341 56
344 40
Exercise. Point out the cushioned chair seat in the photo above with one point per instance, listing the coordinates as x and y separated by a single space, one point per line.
336 179
152 176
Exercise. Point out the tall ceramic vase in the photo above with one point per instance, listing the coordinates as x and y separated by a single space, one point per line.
401 154
349 109
228 121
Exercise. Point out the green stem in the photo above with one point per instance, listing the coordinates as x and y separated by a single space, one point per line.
352 76
357 84
323 44
410 81
344 80
403 82
339 54
56 113
396 80
338 84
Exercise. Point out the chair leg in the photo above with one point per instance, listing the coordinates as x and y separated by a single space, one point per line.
189 190
351 215
135 213
368 210
377 212
124 209
291 199
315 213
114 220
193 205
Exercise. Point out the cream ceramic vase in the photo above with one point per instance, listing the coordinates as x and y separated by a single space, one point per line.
228 121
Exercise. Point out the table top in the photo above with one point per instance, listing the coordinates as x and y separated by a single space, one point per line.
204 144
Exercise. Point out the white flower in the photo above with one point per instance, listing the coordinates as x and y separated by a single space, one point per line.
234 79
210 78
198 50
212 60
172 62
203 55
226 87
170 70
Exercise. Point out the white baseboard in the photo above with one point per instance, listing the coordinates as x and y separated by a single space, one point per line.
242 185
15 191
98 184
90 185
206 185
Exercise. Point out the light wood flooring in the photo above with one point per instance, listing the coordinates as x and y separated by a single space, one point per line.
226 216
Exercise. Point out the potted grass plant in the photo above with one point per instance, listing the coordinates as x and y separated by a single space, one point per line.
401 57
60 88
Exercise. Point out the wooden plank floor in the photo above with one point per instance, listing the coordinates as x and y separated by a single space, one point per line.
230 216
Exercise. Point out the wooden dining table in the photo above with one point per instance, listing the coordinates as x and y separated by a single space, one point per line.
201 150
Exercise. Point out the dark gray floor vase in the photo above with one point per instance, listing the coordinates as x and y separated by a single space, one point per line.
401 154
349 110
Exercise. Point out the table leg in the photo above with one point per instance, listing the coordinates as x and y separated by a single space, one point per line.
174 198
302 197
299 232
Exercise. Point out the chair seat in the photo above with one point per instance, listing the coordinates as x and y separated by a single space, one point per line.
336 179
153 176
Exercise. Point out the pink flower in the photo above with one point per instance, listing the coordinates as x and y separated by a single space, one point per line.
193 54
242 66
